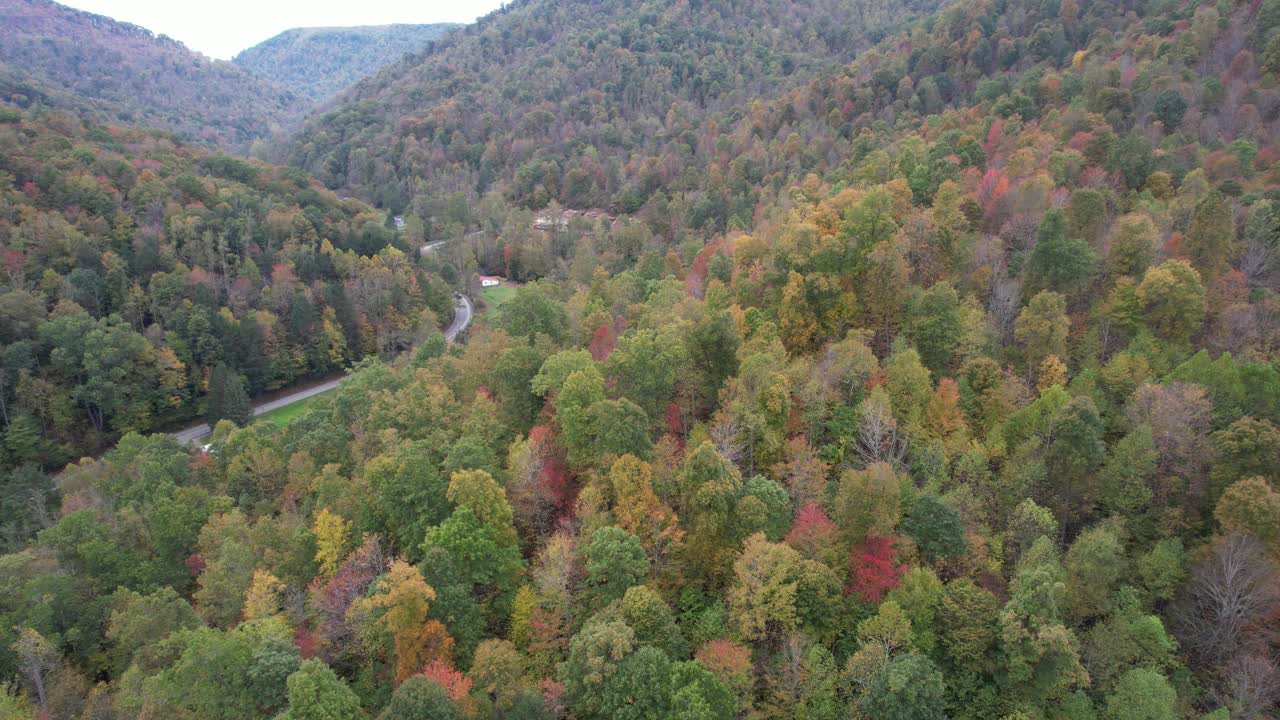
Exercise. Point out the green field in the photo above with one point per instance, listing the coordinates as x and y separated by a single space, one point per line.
282 415
492 297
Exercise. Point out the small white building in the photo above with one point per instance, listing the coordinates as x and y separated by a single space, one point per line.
489 281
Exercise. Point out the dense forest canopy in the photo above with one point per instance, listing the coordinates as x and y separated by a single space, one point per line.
135 265
318 62
592 104
944 383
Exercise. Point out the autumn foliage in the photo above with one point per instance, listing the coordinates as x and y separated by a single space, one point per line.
873 568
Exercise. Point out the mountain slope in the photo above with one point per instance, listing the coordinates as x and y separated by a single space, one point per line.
978 419
190 260
570 100
316 63
118 72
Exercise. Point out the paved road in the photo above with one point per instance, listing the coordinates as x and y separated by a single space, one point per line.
463 312
431 246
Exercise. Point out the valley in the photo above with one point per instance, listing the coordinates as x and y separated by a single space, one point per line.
700 360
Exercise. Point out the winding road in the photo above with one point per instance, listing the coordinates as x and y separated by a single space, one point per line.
463 312
431 246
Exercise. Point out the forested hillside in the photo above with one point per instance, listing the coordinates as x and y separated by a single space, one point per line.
318 62
593 104
944 384
135 266
53 55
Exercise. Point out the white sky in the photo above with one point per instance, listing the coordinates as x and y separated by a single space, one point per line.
223 28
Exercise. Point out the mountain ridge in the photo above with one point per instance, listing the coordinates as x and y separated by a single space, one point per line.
124 73
493 106
346 54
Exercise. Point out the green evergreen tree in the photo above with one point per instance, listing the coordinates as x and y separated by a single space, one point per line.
1058 262
909 688
1211 236
936 528
227 398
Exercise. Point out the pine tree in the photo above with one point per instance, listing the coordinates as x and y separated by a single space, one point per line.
227 398
22 440
1211 236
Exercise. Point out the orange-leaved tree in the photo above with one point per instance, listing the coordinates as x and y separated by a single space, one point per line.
404 599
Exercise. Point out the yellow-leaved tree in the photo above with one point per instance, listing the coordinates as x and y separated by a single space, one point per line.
401 601
331 533
263 598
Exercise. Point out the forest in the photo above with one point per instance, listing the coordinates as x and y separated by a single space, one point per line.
317 63
939 381
135 267
107 71
591 104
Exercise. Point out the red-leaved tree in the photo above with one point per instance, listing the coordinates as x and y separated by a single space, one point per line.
874 568
443 674
602 343
813 534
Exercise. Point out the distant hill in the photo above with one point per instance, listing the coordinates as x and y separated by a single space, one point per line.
110 71
318 62
574 100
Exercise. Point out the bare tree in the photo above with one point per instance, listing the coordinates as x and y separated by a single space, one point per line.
1230 591
1005 299
727 438
37 658
558 574
1258 261
879 439
1250 687
97 705
1181 417
786 677
534 507
1235 330
1219 620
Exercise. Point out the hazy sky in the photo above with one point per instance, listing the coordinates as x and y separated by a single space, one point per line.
223 28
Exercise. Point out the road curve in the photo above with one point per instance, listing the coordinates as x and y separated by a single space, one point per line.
463 312
431 246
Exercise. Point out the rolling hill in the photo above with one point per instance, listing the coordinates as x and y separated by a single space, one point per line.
575 101
318 62
109 71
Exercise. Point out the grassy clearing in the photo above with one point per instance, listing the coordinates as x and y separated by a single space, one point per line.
492 297
282 415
